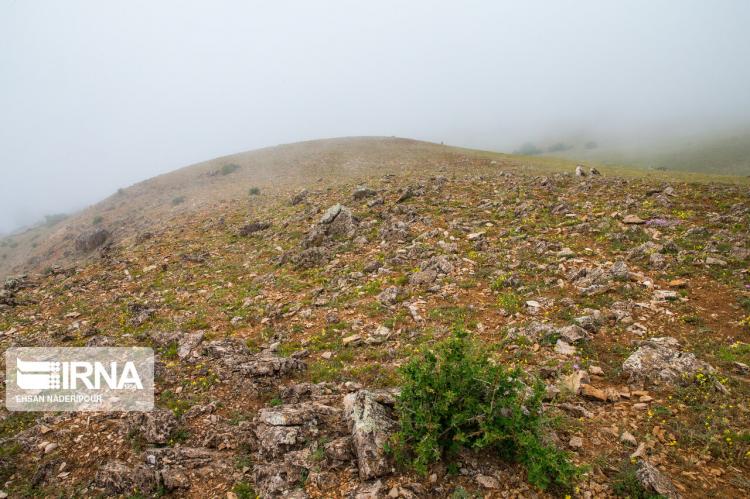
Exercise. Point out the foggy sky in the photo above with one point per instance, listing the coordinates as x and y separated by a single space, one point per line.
98 95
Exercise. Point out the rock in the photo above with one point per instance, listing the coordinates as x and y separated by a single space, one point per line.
633 220
368 490
339 451
566 253
563 348
362 192
665 295
572 382
188 343
576 410
572 334
351 340
389 296
331 214
715 261
50 447
653 480
639 452
596 370
395 231
575 442
592 322
299 197
594 171
580 172
268 365
254 227
116 477
175 478
628 438
488 482
277 479
660 360
371 426
153 427
372 266
90 240
591 392
310 257
423 278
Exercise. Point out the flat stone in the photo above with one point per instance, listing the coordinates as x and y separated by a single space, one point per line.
633 220
487 482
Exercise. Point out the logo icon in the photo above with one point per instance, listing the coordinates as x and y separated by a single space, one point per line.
37 375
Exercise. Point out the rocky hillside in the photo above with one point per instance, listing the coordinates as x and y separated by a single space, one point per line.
282 320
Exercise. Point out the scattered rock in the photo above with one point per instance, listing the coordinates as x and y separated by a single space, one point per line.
153 427
90 240
362 192
660 360
633 220
653 480
254 227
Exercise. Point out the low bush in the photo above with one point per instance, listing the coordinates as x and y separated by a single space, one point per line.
454 396
229 168
254 191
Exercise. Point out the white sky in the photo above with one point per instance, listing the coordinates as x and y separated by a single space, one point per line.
97 95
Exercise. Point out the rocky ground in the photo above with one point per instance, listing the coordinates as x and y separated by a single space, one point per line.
280 323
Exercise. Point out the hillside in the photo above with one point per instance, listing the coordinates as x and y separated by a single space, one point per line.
725 153
282 320
153 204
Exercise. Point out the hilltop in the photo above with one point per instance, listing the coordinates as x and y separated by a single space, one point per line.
284 290
153 204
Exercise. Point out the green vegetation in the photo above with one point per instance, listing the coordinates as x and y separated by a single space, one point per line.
178 200
254 191
229 168
455 397
244 490
97 220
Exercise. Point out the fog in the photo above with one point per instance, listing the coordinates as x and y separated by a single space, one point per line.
98 95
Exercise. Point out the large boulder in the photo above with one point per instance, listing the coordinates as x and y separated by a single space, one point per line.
116 477
90 240
370 417
153 427
660 360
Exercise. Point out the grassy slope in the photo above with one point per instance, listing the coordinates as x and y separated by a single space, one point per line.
150 205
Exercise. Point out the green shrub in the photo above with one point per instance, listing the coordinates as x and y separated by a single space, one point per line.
97 220
510 302
455 397
254 191
178 200
244 490
229 168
